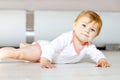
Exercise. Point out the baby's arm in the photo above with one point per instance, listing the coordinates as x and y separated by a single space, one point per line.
103 63
45 63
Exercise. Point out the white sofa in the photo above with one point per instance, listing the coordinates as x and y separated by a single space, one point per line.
12 27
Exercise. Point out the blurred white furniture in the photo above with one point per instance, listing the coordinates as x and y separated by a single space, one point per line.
50 24
111 28
12 27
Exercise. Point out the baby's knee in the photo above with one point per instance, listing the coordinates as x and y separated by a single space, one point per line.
18 54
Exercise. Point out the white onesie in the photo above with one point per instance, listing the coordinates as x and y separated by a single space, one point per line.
63 50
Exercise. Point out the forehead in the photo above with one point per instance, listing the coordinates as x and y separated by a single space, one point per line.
84 19
88 22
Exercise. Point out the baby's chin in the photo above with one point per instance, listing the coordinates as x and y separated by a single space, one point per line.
84 41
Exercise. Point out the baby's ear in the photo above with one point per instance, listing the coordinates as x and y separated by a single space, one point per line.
74 26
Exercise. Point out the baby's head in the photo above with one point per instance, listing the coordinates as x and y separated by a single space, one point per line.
93 16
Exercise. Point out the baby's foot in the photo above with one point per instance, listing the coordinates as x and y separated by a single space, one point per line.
24 45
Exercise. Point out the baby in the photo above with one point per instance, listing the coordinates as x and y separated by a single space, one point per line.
69 47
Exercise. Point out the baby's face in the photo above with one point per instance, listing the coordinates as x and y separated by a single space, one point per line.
85 31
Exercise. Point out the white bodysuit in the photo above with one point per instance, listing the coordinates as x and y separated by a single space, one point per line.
63 50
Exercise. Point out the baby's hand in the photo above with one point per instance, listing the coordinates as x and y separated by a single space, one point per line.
45 63
103 63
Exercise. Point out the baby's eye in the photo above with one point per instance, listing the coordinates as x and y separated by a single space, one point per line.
93 30
83 25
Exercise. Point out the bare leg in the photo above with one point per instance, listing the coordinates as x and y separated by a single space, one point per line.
7 52
30 53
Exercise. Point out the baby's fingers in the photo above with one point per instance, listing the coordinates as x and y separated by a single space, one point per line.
48 66
103 65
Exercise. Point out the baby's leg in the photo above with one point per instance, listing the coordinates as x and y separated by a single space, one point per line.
30 53
7 52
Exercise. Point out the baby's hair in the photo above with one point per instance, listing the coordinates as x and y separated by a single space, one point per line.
93 16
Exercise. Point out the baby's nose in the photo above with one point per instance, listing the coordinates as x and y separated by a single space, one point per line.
87 30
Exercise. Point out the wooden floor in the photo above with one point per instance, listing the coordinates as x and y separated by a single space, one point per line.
85 70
